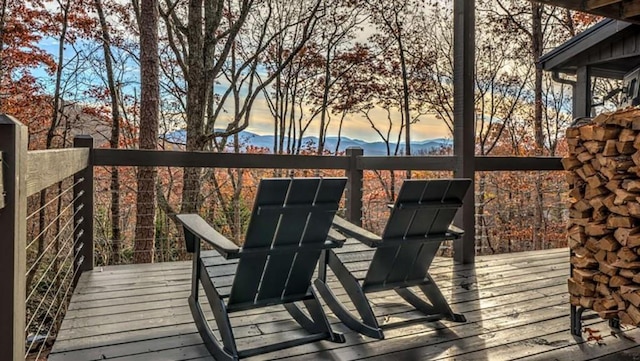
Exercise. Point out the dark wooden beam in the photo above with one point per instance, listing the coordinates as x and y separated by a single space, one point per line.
1 183
582 93
630 9
594 4
13 225
621 10
464 121
489 164
407 163
355 186
160 158
84 192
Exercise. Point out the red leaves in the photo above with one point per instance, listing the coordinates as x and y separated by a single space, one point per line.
594 335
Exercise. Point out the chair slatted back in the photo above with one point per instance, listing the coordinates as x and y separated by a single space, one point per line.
423 209
289 213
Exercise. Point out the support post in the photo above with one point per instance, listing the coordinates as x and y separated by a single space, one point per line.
355 183
83 192
1 183
582 93
464 122
14 138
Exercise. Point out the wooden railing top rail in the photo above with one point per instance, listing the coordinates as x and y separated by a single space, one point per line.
163 158
48 167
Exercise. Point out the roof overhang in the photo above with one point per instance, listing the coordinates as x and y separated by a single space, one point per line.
627 10
593 48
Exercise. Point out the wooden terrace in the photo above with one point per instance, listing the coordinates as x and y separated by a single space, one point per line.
516 306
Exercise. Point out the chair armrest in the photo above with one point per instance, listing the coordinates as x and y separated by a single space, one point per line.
455 230
351 230
195 227
336 237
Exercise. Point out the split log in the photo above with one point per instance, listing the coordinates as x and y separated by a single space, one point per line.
627 255
581 288
608 243
603 231
610 148
583 275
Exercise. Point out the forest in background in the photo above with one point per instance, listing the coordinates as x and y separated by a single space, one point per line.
129 73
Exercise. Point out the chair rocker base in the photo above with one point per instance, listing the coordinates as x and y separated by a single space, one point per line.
318 326
367 323
370 329
439 308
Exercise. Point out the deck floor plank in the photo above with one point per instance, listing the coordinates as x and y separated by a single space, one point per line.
516 306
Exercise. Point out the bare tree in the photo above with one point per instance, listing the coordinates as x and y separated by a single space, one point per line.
115 133
212 30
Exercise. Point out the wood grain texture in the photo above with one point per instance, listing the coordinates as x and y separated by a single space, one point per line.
516 304
48 167
13 225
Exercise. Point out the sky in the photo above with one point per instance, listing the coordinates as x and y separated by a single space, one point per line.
355 127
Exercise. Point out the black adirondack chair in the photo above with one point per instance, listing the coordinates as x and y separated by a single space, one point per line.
287 232
420 220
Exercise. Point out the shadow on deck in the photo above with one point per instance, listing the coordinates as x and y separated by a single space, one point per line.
516 306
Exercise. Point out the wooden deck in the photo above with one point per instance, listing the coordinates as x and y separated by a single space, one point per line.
516 306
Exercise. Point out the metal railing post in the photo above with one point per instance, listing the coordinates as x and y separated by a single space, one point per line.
14 138
83 191
355 184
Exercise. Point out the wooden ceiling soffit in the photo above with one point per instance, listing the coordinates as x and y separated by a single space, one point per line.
627 10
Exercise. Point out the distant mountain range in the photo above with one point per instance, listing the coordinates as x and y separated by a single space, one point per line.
370 148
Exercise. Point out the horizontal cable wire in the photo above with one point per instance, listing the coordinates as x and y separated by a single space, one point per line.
60 308
56 218
52 242
71 249
35 313
67 241
51 305
56 198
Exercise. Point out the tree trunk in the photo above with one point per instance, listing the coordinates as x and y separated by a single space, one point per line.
115 135
325 102
196 104
536 51
149 112
406 110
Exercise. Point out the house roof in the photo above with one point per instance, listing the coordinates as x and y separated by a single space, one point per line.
611 48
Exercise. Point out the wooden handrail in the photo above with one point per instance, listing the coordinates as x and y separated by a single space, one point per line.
48 167
162 158
165 158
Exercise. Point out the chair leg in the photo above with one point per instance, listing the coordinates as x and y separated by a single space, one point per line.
318 323
227 350
439 304
367 324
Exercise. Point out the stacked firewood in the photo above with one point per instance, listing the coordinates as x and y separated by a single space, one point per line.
604 214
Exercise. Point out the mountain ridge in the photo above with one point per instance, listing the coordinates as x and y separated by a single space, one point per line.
370 148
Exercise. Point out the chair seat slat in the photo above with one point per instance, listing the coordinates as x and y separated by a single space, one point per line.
297 208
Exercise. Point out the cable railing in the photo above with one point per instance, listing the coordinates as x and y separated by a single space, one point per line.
55 226
55 236
223 200
46 225
53 261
